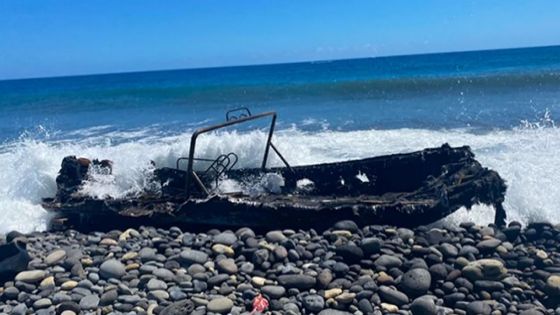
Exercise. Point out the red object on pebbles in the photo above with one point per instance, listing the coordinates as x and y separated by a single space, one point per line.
260 304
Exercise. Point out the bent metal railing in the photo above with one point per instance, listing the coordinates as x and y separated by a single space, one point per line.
243 116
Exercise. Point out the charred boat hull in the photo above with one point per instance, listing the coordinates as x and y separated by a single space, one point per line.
403 190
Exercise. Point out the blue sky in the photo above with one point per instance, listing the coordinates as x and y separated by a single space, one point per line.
65 37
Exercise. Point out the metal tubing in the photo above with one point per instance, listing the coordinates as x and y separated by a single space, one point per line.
268 141
281 157
223 125
200 183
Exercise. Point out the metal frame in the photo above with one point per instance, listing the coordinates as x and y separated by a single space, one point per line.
243 112
231 120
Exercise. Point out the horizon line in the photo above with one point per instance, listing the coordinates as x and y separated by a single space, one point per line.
269 64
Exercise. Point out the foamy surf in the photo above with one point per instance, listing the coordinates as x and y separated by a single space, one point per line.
525 157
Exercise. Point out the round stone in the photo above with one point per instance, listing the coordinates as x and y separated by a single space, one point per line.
260 257
220 305
129 256
405 234
112 268
365 306
179 308
191 256
108 242
176 294
331 293
247 268
69 285
478 308
488 245
217 279
31 276
541 254
89 302
371 245
392 296
20 309
273 291
387 261
159 295
42 303
195 269
244 233
55 257
438 271
469 250
164 274
350 253
448 250
280 252
11 293
147 254
155 284
128 234
423 306
47 283
389 308
347 225
68 306
324 278
484 269
302 282
345 297
225 238
416 282
108 297
275 237
220 249
132 266
258 281
227 265
60 297
488 285
553 285
340 268
342 233
313 303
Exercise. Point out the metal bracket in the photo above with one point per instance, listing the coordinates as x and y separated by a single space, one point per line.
243 112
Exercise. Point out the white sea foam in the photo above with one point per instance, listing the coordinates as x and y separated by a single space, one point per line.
526 157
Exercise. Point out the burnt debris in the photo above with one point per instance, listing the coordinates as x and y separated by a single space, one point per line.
402 189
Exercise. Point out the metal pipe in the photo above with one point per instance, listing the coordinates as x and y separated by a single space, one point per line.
268 141
281 157
219 126
200 183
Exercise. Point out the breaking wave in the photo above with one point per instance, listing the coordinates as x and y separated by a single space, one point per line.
527 157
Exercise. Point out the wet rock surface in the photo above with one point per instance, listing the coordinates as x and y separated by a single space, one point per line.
467 269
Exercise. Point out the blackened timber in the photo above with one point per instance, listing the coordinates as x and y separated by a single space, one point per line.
402 189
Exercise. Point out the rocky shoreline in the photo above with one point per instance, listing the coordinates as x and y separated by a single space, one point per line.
468 269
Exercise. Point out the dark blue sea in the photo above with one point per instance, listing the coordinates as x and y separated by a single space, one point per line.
502 103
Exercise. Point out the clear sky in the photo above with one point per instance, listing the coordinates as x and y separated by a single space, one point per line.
41 38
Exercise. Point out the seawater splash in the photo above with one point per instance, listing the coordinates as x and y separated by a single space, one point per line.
545 122
526 157
267 183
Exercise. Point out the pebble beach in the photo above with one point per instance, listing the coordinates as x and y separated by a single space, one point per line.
467 269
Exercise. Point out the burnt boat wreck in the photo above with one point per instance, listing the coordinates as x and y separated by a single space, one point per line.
402 189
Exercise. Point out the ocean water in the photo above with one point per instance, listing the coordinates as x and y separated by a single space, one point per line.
502 103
